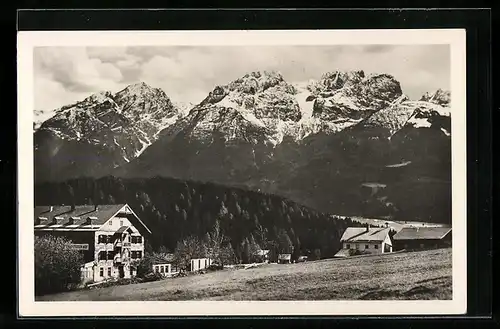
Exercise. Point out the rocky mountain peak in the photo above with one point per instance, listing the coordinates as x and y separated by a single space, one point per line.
440 97
259 95
352 95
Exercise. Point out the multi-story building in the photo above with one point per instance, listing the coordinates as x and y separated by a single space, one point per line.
110 237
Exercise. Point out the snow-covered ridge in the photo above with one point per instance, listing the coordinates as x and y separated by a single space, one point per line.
281 110
127 121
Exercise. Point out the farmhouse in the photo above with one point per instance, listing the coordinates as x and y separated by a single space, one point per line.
365 240
110 237
413 238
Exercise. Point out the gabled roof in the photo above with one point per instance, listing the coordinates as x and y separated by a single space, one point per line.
363 234
79 215
121 229
422 233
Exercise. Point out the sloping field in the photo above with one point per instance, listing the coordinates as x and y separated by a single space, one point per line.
412 275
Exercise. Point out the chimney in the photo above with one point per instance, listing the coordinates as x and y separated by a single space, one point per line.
72 206
51 208
367 227
96 207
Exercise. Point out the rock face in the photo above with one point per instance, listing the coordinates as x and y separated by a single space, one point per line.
353 96
345 143
440 97
101 132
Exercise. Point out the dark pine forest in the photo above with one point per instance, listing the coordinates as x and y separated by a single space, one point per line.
175 209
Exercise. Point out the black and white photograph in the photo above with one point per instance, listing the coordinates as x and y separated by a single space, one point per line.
235 167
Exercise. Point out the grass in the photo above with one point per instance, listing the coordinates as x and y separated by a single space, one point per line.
399 276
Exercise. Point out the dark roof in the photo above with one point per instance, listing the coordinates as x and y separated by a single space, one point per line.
361 234
422 233
122 229
79 214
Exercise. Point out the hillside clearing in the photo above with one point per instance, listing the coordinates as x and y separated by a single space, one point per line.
410 276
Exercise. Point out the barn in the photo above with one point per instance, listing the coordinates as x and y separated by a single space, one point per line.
417 238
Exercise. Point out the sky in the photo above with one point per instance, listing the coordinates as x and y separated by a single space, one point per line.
64 75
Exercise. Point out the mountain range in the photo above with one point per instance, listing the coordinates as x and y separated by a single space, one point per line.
346 143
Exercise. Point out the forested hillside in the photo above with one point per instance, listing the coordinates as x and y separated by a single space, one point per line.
175 209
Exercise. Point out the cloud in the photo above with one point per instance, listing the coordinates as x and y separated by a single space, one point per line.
188 73
73 70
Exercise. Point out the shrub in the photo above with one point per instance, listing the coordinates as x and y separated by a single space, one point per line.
57 265
153 276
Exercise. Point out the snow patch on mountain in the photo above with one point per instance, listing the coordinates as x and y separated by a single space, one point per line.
127 121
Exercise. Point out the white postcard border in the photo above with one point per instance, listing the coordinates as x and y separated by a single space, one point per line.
29 39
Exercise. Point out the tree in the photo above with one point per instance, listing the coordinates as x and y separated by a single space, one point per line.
285 243
57 265
216 245
187 249
252 249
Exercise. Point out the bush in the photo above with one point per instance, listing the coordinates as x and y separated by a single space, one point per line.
57 265
215 267
153 276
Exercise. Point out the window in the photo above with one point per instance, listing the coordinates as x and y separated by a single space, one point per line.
357 246
131 272
110 223
121 222
136 254
136 239
102 255
109 239
111 254
162 269
348 246
101 272
367 246
199 263
109 271
376 246
157 268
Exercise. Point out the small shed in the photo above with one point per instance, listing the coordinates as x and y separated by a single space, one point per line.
415 238
262 255
200 264
284 258
162 263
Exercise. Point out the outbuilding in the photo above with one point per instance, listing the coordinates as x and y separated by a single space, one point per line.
418 238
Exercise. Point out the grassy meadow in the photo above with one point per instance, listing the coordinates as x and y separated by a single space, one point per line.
398 276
